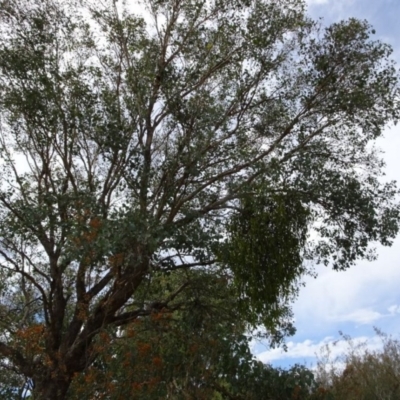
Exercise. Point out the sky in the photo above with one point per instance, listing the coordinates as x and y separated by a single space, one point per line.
367 295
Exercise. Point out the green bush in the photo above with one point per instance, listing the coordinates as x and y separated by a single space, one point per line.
362 373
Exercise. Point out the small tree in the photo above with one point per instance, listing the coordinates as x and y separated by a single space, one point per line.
363 373
213 137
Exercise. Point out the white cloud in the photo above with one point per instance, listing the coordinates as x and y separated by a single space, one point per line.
305 349
357 295
361 316
367 315
394 309
312 2
312 349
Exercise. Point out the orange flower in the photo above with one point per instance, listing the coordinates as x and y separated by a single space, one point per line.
137 386
105 337
143 348
157 362
116 260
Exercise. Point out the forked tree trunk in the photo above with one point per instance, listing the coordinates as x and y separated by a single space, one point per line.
51 389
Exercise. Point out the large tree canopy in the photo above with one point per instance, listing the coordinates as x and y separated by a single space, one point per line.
233 138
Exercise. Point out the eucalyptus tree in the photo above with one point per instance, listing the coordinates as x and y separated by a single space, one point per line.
179 135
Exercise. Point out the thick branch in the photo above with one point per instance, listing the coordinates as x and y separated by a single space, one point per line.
16 357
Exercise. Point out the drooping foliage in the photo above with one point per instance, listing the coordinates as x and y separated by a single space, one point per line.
268 236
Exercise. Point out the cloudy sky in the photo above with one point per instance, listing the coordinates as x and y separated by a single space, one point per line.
368 295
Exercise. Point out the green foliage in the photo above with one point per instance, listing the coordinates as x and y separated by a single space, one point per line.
362 373
266 238
197 353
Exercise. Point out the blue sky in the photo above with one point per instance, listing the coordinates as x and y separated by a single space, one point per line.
367 295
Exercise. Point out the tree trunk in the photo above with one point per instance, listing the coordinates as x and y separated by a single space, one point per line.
52 389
